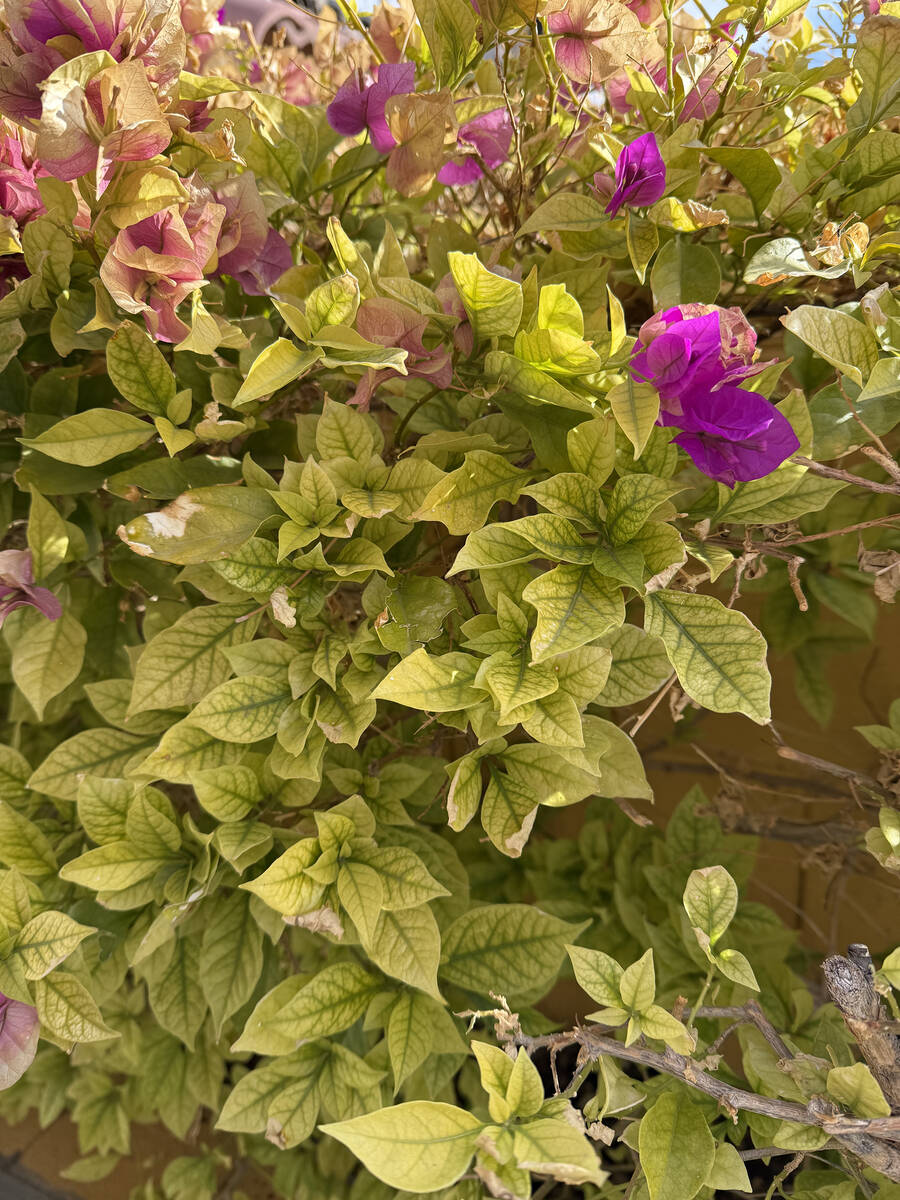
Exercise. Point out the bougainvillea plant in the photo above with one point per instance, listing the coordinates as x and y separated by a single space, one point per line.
388 429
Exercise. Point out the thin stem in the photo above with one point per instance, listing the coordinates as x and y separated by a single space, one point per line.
735 70
707 983
872 485
352 16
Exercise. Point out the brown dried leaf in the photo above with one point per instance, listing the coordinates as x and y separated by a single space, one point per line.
421 125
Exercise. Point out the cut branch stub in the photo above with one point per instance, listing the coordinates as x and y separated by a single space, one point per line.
851 984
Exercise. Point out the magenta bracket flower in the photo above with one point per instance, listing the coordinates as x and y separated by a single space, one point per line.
489 135
250 251
640 175
18 589
358 106
47 33
733 435
694 355
19 173
19 1030
155 264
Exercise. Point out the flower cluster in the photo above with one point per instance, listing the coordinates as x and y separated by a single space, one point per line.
695 356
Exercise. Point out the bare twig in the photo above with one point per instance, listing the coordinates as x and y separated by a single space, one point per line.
871 485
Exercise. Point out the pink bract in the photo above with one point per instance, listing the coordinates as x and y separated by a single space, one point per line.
154 265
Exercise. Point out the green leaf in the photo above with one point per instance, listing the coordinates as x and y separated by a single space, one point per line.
182 663
228 793
875 60
23 845
752 167
185 750
492 302
113 867
284 886
90 438
449 28
67 1009
728 1173
274 368
410 1033
230 958
360 892
677 1150
463 499
710 901
416 1147
205 523
633 502
506 948
329 1003
719 656
685 272
591 447
175 994
574 211
656 1022
558 1149
856 1088
246 709
639 666
642 240
575 605
637 985
47 940
406 944
508 812
280 1099
405 880
598 974
138 370
432 683
635 407
332 303
837 337
48 537
46 656
107 753
734 966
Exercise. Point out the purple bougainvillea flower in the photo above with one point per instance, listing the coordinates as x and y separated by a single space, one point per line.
683 355
19 173
694 354
358 105
18 590
19 1029
490 136
723 346
250 251
732 460
640 175
154 265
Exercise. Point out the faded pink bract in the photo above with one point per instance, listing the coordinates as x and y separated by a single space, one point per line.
19 173
18 589
154 265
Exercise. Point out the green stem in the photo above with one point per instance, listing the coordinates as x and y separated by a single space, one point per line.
410 413
706 986
353 17
758 13
670 61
